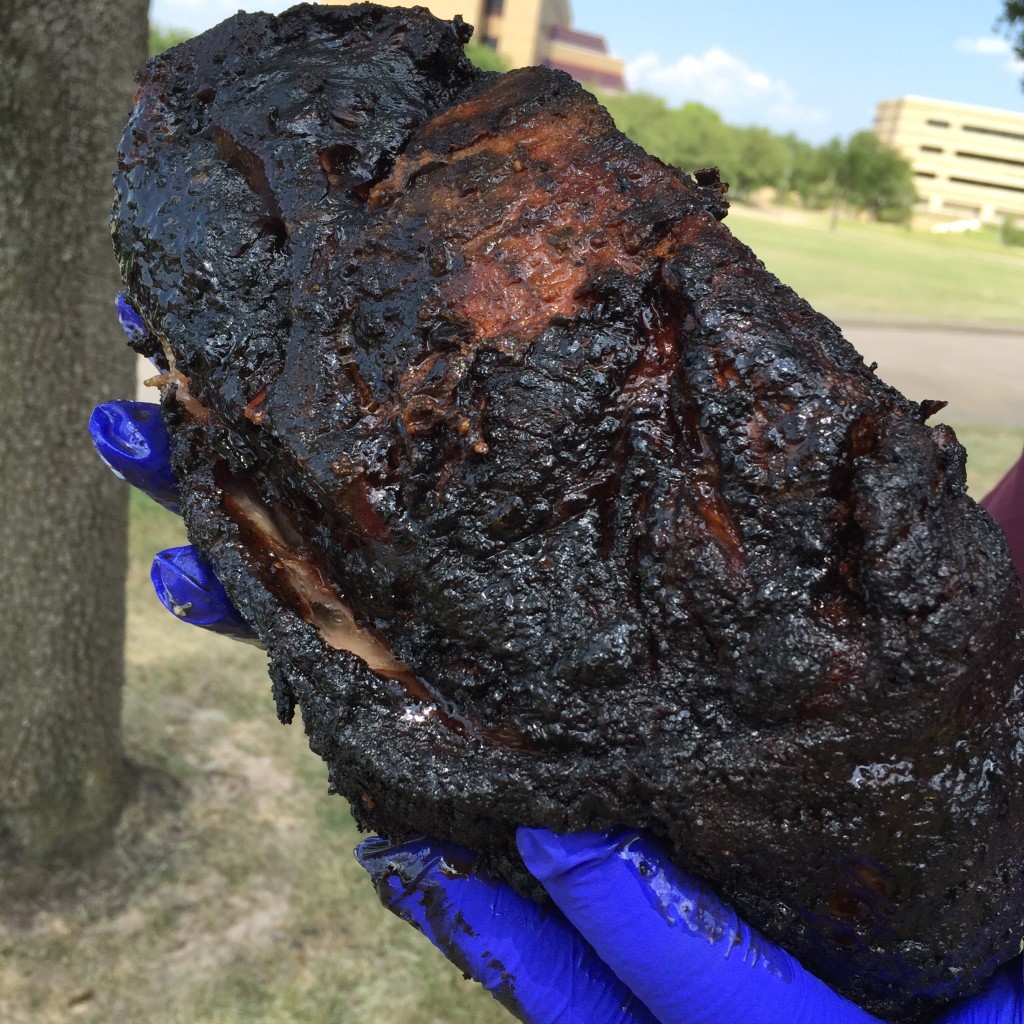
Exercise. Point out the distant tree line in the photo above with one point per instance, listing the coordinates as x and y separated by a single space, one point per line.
161 39
861 172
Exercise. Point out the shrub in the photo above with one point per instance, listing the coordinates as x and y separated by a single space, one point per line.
1010 233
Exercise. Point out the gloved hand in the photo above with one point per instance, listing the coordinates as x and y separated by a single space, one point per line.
636 941
633 941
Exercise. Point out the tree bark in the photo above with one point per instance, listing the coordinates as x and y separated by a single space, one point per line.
65 92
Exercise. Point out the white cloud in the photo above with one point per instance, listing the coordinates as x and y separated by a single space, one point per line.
726 83
714 76
993 46
986 46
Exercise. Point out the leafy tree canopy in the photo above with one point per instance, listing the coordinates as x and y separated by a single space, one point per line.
485 58
862 172
1013 22
161 38
873 176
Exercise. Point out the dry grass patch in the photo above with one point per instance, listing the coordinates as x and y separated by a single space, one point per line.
231 893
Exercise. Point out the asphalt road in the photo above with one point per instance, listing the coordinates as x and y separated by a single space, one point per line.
979 369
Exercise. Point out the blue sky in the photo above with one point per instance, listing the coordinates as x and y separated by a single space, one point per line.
813 67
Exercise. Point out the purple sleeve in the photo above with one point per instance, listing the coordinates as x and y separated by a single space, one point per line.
1005 503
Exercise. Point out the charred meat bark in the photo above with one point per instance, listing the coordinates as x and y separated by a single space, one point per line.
552 506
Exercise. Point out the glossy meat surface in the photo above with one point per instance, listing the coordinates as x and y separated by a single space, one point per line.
619 529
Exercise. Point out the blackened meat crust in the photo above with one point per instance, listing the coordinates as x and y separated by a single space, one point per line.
622 531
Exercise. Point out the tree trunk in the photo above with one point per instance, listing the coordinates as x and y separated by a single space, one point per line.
65 93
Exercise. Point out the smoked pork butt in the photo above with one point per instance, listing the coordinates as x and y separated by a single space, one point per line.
553 507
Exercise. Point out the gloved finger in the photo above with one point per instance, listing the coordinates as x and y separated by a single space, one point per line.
188 588
1001 1001
130 437
684 954
130 321
527 956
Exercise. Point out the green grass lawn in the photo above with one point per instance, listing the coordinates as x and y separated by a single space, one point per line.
232 895
880 270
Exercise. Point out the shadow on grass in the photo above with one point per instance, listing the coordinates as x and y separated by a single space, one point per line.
105 883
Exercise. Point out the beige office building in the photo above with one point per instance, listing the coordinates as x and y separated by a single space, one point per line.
968 161
531 32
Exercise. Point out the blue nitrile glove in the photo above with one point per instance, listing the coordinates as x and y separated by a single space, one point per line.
132 440
527 956
634 941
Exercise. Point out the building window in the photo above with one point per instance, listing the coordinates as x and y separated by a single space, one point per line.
491 42
931 149
978 130
1006 161
495 6
987 184
961 208
924 174
936 124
